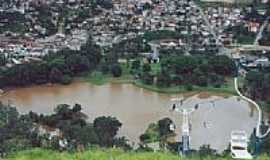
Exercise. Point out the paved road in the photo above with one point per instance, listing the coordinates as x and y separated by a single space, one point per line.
259 35
251 48
259 122
228 52
209 26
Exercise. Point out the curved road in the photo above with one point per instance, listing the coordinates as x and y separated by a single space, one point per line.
258 127
228 52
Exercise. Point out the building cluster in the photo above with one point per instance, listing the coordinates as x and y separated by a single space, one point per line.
46 25
128 19
222 18
50 25
20 49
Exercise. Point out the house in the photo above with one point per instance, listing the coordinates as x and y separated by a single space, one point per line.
253 27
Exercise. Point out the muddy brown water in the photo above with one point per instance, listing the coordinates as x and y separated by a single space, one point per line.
136 108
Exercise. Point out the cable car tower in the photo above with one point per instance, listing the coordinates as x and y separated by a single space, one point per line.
186 125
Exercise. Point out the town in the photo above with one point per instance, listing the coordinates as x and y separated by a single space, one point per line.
34 28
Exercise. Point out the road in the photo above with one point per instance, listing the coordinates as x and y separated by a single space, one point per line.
223 50
259 122
209 26
251 48
228 52
259 35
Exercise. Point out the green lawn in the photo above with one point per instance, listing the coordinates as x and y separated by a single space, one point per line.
108 154
227 88
245 39
156 68
98 78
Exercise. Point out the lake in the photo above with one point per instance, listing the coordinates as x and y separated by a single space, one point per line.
136 108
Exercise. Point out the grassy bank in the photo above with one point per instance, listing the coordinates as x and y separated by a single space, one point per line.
227 88
108 154
98 78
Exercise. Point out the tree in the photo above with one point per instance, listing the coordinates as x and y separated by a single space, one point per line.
41 73
189 87
206 150
86 135
66 79
146 67
164 126
146 6
258 85
78 63
145 137
104 68
136 65
15 130
116 70
151 134
147 78
202 81
122 142
222 65
77 108
106 128
107 4
177 79
62 110
55 75
216 80
92 52
163 79
2 60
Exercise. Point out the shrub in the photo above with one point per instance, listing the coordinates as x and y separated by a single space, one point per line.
116 70
66 79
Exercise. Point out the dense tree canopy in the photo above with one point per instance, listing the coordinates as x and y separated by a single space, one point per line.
55 67
194 70
106 129
257 85
15 130
18 132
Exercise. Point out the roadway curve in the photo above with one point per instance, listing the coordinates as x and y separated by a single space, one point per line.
258 127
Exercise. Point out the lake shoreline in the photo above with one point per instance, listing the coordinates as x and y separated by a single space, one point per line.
227 89
163 90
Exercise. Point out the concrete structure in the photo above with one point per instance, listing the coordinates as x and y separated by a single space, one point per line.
239 145
186 125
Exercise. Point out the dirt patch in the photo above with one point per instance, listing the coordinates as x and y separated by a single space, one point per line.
205 95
